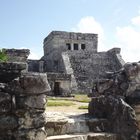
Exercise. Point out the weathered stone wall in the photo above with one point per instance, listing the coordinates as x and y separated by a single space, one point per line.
56 43
17 55
116 57
22 103
33 65
88 67
30 92
36 65
59 39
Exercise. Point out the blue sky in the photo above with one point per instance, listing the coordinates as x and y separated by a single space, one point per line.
25 23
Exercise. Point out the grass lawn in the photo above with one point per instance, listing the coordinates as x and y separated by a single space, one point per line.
59 103
79 101
77 97
83 107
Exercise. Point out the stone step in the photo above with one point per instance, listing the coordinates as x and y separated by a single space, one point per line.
86 136
60 125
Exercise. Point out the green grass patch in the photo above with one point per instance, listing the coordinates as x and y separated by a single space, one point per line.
59 103
82 98
83 107
77 97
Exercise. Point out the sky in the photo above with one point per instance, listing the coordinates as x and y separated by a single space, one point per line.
25 23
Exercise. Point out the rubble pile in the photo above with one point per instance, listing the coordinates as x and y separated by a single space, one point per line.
116 98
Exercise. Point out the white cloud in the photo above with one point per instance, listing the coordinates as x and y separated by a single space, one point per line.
128 38
136 20
34 55
90 25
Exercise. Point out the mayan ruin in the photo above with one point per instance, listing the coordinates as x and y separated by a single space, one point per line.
70 67
74 55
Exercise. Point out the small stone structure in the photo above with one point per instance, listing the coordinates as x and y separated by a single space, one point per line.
22 101
61 84
76 54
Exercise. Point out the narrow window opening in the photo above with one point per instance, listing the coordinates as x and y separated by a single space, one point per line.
68 46
83 46
75 46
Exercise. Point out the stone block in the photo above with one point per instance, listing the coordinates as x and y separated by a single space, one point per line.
17 55
31 134
98 125
32 120
33 102
30 84
7 137
121 116
5 102
102 136
10 71
8 122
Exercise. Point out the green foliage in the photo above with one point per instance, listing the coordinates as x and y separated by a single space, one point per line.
59 103
83 107
3 56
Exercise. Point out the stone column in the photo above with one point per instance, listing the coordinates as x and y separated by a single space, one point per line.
72 46
79 46
41 64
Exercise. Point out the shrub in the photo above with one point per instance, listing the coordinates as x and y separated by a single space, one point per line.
3 56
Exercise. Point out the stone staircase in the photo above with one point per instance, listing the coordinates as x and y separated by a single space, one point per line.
87 67
77 127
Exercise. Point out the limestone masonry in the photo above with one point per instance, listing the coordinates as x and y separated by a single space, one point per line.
75 55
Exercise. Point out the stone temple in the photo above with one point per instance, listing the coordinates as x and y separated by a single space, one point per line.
72 62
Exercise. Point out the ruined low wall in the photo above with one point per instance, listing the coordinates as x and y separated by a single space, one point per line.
33 65
116 57
17 55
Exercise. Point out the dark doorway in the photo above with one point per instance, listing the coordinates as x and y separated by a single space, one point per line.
68 46
56 89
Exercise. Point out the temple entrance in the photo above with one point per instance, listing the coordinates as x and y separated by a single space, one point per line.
56 88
